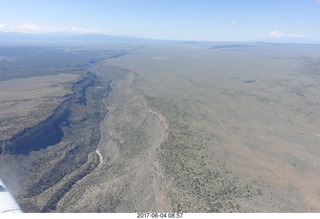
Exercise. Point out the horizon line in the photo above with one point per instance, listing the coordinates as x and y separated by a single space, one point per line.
270 41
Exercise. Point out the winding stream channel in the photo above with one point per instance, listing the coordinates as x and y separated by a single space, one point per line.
100 125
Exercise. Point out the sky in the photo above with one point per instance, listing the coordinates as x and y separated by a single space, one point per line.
208 20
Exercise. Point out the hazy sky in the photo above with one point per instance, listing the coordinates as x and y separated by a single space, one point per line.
248 20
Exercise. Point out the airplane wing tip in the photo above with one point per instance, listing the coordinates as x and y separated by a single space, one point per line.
7 202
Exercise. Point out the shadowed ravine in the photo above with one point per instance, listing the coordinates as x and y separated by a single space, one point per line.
48 132
60 150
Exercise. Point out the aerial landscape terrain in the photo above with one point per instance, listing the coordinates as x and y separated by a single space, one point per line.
160 108
161 126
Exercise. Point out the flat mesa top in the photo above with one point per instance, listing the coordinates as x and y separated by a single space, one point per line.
7 203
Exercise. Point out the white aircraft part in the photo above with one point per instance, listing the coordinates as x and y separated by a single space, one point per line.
7 202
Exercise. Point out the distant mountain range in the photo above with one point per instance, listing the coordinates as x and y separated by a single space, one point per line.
14 37
7 38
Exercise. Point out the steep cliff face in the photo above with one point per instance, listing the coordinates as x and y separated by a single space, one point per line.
49 132
44 161
40 136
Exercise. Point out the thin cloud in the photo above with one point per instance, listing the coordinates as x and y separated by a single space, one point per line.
234 22
33 28
29 27
277 34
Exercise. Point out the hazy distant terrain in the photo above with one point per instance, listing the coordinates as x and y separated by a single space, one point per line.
243 124
165 127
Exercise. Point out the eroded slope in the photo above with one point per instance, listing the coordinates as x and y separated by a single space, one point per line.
131 178
40 176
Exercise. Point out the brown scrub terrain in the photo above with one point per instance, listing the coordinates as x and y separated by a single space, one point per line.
178 127
243 125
